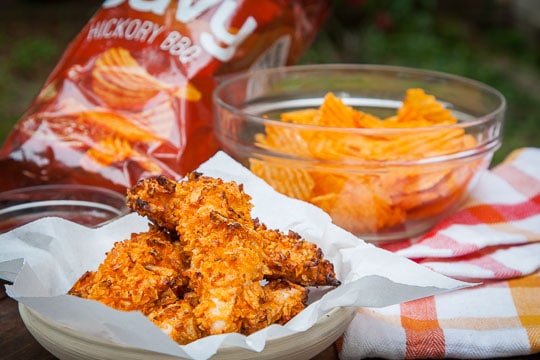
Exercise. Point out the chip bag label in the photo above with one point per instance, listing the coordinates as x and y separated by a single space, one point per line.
131 96
130 29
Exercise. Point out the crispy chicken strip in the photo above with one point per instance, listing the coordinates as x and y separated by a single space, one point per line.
172 205
291 257
178 321
227 266
139 273
185 207
274 303
282 301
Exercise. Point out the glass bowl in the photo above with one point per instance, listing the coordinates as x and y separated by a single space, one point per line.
382 184
87 205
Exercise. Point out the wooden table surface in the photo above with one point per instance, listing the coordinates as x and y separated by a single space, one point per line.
16 343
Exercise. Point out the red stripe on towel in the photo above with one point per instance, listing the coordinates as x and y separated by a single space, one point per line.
424 337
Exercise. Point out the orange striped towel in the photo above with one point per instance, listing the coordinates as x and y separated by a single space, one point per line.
493 239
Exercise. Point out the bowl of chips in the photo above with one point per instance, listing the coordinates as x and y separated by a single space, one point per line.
386 151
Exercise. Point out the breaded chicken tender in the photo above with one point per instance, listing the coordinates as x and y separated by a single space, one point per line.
295 259
177 320
187 203
282 300
171 205
206 266
139 273
226 270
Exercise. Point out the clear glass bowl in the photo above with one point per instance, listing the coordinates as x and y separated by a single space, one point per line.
377 199
87 205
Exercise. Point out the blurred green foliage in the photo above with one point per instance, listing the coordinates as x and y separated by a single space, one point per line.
33 36
22 72
28 55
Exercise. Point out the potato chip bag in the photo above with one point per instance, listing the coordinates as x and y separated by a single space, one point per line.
131 96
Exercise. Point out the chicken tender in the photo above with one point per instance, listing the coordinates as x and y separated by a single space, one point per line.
173 205
282 300
227 266
178 321
293 258
139 273
189 205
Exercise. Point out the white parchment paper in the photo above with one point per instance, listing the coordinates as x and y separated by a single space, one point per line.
44 258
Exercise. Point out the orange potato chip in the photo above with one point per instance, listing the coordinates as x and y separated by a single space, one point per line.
358 208
438 206
288 141
306 116
335 113
418 106
293 182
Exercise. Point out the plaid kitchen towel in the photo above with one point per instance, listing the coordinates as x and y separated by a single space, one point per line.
494 239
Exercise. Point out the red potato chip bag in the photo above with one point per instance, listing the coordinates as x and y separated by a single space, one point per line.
131 96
